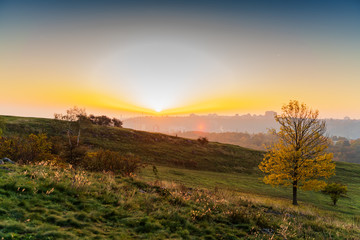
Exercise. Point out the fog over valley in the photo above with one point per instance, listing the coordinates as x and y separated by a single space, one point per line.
348 128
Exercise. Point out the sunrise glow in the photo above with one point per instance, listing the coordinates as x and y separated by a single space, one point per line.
180 119
126 60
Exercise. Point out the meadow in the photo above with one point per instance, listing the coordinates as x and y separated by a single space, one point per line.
252 184
195 191
47 202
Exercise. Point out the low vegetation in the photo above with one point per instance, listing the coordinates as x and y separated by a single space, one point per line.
335 191
106 160
347 210
28 149
44 201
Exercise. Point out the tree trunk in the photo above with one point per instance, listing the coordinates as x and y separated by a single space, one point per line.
78 138
295 193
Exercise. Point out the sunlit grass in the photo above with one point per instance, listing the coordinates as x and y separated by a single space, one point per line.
49 202
252 184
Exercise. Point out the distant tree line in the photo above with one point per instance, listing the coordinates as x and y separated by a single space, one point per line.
104 120
256 141
345 150
76 114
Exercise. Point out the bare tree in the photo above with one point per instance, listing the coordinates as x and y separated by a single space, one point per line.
71 122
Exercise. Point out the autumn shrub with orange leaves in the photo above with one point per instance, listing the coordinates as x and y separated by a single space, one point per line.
29 149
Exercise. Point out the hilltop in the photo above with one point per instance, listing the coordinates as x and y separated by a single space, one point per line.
152 148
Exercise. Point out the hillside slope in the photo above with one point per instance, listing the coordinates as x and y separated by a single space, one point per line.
221 175
153 148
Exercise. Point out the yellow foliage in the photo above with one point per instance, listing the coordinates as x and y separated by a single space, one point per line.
299 158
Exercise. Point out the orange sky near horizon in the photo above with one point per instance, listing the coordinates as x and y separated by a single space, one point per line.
171 63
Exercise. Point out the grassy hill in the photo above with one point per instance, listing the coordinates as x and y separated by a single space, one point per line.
152 148
209 191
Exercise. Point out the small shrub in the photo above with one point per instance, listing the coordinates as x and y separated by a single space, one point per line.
106 160
203 140
30 149
2 126
237 216
335 190
155 171
74 154
39 148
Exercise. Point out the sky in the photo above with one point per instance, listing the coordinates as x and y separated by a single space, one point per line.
126 58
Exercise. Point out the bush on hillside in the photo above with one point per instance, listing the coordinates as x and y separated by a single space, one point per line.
2 126
67 149
335 190
203 140
106 160
30 149
74 154
105 121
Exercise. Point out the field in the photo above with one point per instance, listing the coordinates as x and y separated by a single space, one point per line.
349 207
47 202
201 191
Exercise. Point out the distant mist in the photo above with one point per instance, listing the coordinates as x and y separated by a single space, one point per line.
238 123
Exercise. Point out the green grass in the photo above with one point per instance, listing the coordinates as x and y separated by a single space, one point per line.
217 164
222 176
46 202
348 207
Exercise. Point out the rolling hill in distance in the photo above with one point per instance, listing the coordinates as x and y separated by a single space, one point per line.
349 128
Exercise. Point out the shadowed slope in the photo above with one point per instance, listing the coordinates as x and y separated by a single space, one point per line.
152 148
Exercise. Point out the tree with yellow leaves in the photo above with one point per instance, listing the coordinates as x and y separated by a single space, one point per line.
299 158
